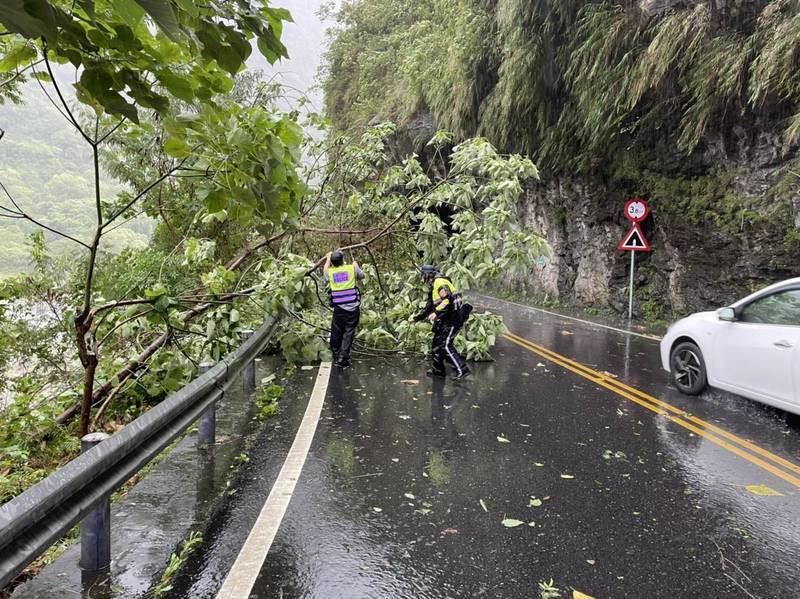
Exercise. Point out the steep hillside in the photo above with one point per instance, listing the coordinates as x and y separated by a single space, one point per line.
693 104
47 169
46 166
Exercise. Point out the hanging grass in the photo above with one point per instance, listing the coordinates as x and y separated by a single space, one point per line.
574 83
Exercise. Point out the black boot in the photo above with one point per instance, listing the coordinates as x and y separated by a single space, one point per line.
436 373
464 374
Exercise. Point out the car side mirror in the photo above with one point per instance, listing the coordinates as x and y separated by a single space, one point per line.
727 314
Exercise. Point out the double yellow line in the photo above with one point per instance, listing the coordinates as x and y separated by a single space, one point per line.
741 447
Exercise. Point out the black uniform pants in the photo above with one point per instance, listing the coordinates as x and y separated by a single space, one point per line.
343 330
444 349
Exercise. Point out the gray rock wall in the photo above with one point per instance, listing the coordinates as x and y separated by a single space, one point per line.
693 266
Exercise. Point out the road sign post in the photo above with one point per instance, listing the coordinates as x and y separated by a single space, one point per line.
636 211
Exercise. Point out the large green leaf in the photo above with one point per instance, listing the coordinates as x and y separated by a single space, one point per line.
178 86
215 201
163 14
31 18
130 12
19 55
177 148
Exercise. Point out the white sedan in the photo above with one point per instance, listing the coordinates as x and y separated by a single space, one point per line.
751 348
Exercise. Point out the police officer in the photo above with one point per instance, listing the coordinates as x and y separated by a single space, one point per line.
346 301
447 312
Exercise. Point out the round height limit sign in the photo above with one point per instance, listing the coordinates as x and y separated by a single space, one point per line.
636 211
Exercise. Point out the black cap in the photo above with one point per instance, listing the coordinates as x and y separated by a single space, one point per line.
337 258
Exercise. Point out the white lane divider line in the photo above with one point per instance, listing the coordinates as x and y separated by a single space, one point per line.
240 580
582 321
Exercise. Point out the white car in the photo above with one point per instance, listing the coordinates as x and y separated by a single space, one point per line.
751 348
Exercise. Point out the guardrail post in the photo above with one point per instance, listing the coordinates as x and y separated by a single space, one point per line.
250 369
96 526
208 421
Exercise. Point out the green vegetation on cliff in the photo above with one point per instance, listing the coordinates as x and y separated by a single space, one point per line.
573 83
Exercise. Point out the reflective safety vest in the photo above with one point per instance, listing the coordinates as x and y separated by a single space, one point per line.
342 282
440 304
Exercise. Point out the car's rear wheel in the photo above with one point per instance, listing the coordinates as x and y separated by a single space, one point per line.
688 368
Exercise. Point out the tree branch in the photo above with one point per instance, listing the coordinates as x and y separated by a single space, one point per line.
72 118
112 131
19 213
119 304
143 193
385 230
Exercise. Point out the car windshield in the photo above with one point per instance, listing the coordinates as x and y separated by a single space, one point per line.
781 308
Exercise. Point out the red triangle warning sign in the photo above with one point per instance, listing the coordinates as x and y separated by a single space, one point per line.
634 241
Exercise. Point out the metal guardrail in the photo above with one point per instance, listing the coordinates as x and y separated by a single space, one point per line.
34 520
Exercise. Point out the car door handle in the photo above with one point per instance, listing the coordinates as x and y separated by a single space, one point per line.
783 344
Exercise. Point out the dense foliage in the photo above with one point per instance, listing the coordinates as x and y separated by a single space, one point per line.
239 221
574 83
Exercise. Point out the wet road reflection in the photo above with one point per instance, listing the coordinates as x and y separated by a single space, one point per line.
409 483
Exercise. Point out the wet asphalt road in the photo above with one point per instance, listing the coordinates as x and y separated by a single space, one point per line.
407 485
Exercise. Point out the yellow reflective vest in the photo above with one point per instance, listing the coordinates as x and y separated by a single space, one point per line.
440 304
342 283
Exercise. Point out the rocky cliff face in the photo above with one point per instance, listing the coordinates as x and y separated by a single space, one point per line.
745 237
726 229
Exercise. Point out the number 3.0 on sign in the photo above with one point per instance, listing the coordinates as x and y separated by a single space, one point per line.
636 210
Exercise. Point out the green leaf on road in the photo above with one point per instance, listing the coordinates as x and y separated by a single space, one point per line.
511 523
535 502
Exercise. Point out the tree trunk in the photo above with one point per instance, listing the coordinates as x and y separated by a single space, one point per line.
88 356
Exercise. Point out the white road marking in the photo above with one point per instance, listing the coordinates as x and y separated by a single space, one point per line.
589 322
240 580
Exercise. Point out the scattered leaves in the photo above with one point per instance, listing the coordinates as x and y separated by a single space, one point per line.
377 509
547 590
410 382
535 502
567 476
483 505
616 455
503 440
409 496
449 531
